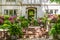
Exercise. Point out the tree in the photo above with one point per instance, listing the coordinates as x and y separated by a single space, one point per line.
57 1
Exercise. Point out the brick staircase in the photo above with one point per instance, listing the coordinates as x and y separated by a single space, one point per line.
30 32
33 32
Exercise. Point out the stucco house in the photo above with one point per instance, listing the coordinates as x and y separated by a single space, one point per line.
28 8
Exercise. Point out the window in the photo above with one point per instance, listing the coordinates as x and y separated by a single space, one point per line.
10 0
46 11
56 11
6 12
51 11
10 12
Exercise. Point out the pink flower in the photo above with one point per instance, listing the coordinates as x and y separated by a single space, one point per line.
2 17
12 21
1 21
12 17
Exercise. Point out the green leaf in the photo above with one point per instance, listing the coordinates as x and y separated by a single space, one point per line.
57 1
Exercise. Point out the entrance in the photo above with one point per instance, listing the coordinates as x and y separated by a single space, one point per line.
31 13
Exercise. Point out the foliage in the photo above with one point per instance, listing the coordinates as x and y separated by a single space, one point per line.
44 20
24 23
5 26
55 28
22 18
35 23
6 17
15 29
57 1
9 22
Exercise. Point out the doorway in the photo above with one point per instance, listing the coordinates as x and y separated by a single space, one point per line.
32 13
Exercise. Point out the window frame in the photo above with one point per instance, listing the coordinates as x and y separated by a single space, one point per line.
9 11
10 1
51 11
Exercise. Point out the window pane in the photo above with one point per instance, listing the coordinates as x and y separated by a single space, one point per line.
11 12
15 12
10 0
56 11
13 0
46 11
51 11
7 0
6 12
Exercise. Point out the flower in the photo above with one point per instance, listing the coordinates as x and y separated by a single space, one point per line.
12 21
1 21
2 17
12 17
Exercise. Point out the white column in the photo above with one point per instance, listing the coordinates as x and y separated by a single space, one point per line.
53 11
8 12
20 10
47 25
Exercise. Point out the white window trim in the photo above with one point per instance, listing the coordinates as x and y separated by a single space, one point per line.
9 10
10 1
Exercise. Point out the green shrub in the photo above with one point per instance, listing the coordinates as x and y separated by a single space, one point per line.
35 23
15 29
55 28
22 18
5 26
6 17
24 23
7 22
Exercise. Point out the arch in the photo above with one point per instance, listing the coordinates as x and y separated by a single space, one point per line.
31 12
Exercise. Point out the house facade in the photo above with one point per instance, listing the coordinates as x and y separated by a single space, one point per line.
28 8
